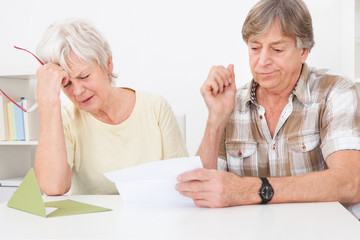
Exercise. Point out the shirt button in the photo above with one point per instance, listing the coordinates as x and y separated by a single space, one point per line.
303 147
239 154
261 117
274 148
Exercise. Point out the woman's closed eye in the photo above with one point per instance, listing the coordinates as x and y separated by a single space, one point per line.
66 85
84 77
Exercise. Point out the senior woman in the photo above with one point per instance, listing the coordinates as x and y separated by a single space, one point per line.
105 128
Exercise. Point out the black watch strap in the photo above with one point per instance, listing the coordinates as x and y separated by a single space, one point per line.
266 191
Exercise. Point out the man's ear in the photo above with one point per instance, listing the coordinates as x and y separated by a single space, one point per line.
110 64
304 54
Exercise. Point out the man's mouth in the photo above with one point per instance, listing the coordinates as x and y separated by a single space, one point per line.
266 73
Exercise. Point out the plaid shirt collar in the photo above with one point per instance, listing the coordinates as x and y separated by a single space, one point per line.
301 90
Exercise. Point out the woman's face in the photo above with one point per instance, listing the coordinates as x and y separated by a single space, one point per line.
89 84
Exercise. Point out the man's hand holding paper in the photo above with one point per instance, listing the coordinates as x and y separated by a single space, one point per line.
153 182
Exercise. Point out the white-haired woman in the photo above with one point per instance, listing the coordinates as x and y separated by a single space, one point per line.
105 128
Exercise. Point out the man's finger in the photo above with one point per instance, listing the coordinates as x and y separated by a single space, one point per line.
200 174
230 68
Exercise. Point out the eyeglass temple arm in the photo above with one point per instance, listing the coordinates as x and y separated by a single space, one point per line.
30 53
13 101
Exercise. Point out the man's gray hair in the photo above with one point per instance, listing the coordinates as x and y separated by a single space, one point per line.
293 16
74 35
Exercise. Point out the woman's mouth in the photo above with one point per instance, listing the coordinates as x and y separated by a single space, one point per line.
86 100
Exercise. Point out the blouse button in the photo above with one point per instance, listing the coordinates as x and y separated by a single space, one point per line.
303 147
239 154
261 117
274 148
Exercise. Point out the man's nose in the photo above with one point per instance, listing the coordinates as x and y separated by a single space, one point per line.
265 57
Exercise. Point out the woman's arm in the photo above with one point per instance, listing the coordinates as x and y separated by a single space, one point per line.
51 167
172 140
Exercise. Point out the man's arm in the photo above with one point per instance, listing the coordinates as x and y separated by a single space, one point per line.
341 182
219 94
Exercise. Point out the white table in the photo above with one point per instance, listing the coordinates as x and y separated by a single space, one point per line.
128 221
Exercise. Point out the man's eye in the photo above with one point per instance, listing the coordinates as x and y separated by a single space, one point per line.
278 50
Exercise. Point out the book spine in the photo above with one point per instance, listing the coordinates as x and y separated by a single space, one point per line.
8 108
19 119
3 120
26 120
13 121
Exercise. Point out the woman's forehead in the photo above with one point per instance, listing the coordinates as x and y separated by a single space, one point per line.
75 63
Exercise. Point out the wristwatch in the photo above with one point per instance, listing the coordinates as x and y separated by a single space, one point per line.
266 191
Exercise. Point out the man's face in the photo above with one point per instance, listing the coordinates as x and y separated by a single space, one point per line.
275 61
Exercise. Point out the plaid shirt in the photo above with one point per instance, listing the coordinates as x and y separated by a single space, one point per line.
321 117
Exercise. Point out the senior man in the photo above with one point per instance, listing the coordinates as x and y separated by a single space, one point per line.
291 135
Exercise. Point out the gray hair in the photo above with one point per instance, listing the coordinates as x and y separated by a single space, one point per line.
74 35
293 16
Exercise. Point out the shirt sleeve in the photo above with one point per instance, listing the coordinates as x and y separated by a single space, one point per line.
341 119
172 141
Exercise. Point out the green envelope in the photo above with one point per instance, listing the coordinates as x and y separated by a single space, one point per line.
28 198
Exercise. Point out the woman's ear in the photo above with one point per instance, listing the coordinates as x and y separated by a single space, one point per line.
110 65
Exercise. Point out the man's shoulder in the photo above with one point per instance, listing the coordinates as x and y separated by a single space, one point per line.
330 78
323 83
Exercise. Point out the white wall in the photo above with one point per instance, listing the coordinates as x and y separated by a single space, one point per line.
168 47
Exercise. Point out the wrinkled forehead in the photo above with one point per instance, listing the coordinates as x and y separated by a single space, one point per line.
75 63
273 32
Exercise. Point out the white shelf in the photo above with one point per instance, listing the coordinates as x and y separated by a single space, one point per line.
19 143
19 76
11 182
18 72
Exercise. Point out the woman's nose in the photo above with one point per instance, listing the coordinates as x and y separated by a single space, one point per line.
78 88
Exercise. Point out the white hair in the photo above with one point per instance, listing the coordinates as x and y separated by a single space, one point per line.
74 35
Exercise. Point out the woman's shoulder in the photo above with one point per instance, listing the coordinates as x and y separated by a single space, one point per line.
69 112
149 98
152 103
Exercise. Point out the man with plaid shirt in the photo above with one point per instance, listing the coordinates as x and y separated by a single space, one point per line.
291 135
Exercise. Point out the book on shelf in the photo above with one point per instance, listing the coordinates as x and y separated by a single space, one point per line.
4 130
9 121
19 122
13 121
16 125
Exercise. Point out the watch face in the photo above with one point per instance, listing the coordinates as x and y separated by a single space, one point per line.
267 192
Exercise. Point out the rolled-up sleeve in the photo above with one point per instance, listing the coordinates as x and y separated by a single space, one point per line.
340 128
